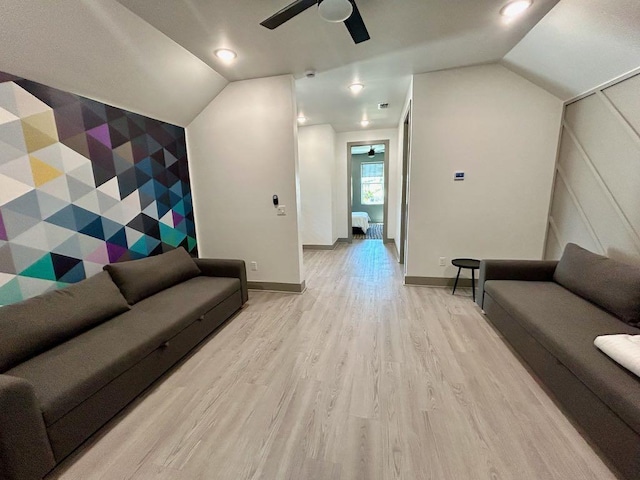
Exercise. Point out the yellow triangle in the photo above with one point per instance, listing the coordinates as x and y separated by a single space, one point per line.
42 173
39 130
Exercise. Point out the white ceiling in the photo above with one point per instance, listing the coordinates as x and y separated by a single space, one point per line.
99 49
362 149
581 44
408 36
148 62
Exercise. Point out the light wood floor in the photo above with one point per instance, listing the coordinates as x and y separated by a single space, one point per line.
358 378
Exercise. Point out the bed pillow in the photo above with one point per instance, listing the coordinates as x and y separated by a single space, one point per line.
31 327
612 285
139 279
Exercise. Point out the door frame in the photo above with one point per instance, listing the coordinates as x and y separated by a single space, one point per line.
404 203
385 207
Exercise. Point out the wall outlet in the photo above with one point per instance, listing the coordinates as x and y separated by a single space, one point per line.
254 266
443 262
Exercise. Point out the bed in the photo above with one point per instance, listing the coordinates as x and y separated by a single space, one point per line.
360 220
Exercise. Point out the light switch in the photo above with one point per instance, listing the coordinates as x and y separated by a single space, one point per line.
282 210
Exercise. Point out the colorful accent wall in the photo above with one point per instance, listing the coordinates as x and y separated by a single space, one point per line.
83 184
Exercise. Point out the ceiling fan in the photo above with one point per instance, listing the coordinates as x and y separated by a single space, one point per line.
331 10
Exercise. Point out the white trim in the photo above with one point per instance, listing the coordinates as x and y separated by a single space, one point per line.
552 230
576 202
556 233
603 86
553 181
627 127
612 200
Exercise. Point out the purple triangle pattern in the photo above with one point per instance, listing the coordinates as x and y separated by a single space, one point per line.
3 230
136 160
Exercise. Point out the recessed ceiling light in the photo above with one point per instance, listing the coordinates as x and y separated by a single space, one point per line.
302 119
364 123
356 88
225 54
513 9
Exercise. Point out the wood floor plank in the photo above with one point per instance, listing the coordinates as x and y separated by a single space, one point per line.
360 377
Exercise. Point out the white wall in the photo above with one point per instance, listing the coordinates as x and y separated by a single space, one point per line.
595 200
101 50
502 130
243 149
340 181
316 151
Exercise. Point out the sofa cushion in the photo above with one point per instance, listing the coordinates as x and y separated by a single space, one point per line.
612 285
39 323
138 279
68 374
566 325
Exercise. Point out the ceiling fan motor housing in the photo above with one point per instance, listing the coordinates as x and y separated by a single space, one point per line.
330 10
335 11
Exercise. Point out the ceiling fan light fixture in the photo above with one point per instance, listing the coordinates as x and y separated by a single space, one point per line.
513 9
335 11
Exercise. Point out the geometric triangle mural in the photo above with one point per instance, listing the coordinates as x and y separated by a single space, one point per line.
83 184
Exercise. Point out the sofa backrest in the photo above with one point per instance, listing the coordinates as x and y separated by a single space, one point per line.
38 324
612 285
139 279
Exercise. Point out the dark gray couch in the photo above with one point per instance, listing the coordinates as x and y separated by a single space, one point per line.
71 359
550 312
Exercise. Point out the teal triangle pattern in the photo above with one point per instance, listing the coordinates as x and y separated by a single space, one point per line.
56 232
10 292
43 269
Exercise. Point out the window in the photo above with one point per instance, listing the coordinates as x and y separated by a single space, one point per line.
372 183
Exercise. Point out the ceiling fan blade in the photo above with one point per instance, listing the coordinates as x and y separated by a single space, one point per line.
287 13
356 26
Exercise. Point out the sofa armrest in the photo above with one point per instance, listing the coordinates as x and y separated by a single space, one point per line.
213 267
525 270
25 452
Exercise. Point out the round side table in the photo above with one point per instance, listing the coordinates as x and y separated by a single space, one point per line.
470 263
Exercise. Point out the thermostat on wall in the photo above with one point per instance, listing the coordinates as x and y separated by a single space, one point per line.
459 175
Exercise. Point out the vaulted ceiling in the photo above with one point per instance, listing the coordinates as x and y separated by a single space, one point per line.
156 57
579 45
408 36
101 50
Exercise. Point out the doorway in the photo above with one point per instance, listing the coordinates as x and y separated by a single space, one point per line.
404 203
367 187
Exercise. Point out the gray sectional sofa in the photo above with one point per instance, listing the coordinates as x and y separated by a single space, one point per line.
73 358
550 312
